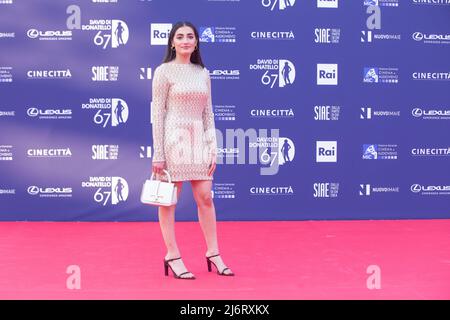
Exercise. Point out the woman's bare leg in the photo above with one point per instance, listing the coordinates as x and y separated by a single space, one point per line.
207 217
166 217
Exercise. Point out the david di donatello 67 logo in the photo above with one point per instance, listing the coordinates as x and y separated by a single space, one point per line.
284 151
279 72
109 111
277 4
108 190
110 33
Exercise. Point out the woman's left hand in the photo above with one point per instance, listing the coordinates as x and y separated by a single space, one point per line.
212 165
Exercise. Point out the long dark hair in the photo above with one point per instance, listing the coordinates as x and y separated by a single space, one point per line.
171 54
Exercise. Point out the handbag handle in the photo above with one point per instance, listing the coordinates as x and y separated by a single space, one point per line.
167 174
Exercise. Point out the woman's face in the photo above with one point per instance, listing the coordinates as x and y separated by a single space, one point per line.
184 41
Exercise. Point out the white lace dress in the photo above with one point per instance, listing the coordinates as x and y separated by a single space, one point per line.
183 126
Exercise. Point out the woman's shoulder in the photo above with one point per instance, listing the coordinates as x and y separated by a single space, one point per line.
206 71
161 67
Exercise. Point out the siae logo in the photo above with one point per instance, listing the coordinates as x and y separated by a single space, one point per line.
326 189
105 73
327 35
105 152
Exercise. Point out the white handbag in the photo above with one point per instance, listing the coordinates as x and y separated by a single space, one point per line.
159 193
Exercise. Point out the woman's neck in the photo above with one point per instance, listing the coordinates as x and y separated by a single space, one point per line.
183 59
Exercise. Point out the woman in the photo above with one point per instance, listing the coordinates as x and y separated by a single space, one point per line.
184 141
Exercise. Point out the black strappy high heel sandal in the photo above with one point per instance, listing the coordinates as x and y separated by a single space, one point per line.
177 276
221 273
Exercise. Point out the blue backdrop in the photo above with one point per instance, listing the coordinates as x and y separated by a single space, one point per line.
324 109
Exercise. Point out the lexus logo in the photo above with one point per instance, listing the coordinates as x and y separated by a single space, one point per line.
418 36
417 112
33 33
33 190
32 112
416 188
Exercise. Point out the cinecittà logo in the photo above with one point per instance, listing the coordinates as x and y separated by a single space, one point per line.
49 153
49 74
431 152
432 76
272 35
432 2
269 191
272 113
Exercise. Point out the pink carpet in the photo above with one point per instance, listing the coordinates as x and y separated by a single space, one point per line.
272 260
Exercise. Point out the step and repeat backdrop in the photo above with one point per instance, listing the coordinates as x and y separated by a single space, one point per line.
324 109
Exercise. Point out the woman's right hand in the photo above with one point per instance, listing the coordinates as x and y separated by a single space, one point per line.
158 166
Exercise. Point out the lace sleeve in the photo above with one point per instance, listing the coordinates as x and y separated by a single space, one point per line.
208 121
160 88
